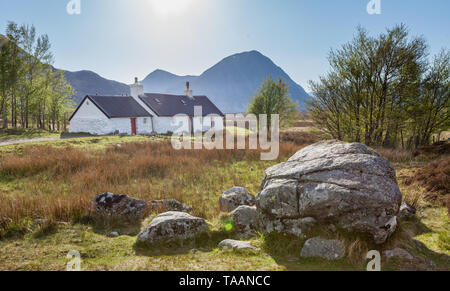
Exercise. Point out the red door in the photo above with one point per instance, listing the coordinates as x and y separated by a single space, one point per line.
133 126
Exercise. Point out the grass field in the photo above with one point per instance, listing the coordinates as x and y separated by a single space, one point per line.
56 180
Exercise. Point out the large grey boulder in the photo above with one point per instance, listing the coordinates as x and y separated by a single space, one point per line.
235 197
168 205
245 219
118 206
321 248
346 184
172 226
236 245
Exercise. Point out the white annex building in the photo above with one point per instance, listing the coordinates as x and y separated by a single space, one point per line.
145 113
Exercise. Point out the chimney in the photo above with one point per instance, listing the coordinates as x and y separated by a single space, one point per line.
136 89
188 92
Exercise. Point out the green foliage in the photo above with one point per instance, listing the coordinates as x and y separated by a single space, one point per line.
382 91
31 93
273 98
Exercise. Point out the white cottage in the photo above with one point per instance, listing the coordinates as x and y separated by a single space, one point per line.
145 113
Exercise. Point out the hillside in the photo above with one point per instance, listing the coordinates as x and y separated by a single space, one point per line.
230 83
87 82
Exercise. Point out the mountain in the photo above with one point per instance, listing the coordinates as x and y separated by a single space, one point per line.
229 84
87 82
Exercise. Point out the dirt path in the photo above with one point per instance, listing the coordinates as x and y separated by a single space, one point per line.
27 140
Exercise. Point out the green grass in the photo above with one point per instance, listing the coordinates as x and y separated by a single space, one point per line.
100 252
87 143
15 134
28 246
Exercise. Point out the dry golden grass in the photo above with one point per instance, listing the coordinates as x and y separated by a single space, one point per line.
59 183
435 177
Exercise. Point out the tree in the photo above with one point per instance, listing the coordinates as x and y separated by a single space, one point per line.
382 91
273 98
30 89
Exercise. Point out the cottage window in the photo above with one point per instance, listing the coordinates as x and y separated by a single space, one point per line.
145 120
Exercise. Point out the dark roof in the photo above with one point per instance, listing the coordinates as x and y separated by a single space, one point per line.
116 106
170 105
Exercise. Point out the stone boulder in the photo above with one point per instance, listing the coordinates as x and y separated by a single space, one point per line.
398 253
346 184
295 226
168 205
118 206
235 197
236 245
402 260
406 211
321 248
172 226
245 219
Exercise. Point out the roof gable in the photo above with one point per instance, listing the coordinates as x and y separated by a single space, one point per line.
116 106
170 105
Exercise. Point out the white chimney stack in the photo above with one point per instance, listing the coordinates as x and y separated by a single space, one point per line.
188 91
136 89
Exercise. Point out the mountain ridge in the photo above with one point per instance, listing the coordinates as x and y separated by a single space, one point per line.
229 84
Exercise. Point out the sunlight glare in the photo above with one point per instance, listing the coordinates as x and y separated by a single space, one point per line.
165 8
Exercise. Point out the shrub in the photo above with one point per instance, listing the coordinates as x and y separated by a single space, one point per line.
435 177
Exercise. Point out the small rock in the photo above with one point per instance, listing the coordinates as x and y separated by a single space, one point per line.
114 234
40 221
235 197
397 253
332 228
406 211
322 248
245 218
119 206
236 245
168 205
173 226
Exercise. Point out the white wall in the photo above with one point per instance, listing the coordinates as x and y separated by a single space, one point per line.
164 124
90 119
144 125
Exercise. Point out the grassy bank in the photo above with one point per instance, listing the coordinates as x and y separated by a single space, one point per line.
57 180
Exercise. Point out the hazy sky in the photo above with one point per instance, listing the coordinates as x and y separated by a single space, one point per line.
120 39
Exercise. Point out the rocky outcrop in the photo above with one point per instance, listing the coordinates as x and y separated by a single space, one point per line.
295 226
172 226
346 184
235 197
118 206
168 205
397 253
321 248
402 260
236 245
245 219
